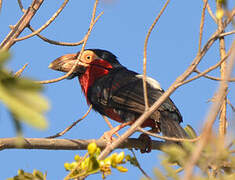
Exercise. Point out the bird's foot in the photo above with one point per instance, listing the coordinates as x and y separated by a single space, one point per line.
108 137
147 142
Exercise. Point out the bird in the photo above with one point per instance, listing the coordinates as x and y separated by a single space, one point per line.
117 92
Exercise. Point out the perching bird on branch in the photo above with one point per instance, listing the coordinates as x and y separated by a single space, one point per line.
117 92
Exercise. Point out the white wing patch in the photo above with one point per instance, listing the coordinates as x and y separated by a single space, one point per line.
152 82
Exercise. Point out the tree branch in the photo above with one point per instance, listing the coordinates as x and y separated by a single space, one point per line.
69 144
223 68
21 25
46 24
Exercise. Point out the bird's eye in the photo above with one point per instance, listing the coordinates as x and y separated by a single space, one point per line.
88 57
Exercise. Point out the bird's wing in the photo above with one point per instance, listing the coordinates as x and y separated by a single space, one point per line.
123 90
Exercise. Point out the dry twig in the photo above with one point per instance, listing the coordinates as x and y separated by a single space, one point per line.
231 105
207 70
71 126
223 68
168 138
19 72
145 54
21 6
21 25
210 11
55 42
212 77
227 33
46 24
139 166
202 25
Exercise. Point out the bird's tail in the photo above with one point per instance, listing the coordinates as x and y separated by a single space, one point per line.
172 128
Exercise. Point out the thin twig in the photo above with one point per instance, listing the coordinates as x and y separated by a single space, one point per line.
71 126
223 68
46 24
210 11
70 144
139 166
207 70
19 72
231 105
230 17
21 6
55 42
202 25
168 138
21 25
145 55
213 77
75 64
110 125
227 33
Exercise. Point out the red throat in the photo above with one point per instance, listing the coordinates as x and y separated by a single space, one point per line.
94 71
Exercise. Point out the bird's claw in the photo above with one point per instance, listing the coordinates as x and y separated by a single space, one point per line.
108 137
148 143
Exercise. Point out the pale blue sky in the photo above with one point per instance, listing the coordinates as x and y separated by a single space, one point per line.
121 30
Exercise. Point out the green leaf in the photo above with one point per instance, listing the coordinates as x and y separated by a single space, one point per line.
159 174
36 175
190 132
4 55
26 105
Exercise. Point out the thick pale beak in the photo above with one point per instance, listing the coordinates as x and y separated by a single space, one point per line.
64 63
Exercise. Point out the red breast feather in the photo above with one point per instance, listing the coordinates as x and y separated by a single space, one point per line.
94 71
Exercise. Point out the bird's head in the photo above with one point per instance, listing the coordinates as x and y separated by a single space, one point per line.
96 59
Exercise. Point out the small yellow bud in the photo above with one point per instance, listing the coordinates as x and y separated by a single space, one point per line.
67 166
101 162
77 158
113 157
108 161
85 163
121 169
120 157
20 172
219 13
98 151
221 1
92 147
73 165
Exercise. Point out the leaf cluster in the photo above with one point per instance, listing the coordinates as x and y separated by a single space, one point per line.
36 175
22 97
217 161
